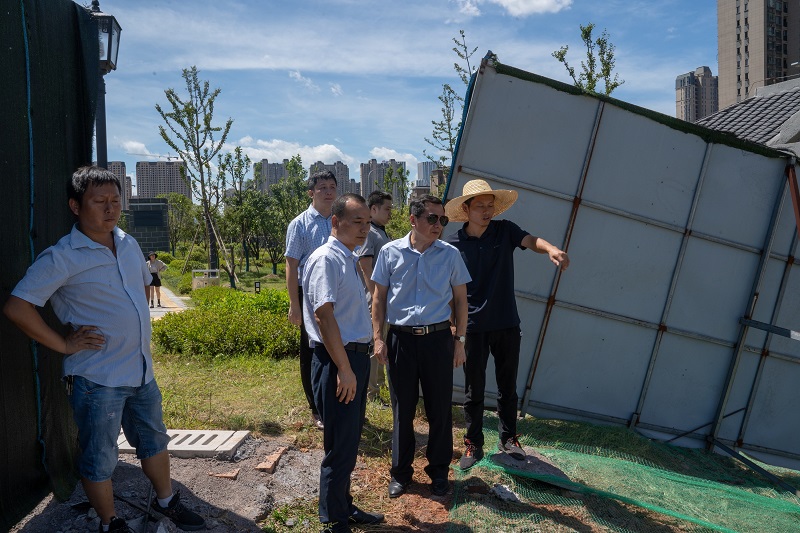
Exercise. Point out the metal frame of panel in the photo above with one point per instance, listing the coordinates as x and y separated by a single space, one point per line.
729 360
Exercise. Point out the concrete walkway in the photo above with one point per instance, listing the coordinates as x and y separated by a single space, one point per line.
170 303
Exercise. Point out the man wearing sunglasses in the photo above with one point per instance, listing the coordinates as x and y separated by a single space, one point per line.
493 326
416 279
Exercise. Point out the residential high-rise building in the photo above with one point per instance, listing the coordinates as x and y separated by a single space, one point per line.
160 177
271 173
340 170
372 175
758 41
696 95
424 170
118 168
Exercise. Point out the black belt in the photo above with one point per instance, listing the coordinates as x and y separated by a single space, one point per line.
358 347
422 330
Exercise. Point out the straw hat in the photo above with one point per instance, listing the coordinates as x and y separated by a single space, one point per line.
503 199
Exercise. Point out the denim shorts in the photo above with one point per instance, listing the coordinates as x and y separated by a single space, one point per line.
100 411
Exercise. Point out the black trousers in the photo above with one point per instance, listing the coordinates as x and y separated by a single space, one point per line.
426 361
305 359
342 433
504 346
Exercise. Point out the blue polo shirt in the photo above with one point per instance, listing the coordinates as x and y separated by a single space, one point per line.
88 286
419 284
331 276
306 232
490 260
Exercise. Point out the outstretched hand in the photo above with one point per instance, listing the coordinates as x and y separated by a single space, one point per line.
559 258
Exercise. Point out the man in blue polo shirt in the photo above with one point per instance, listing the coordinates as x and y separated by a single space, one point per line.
307 232
416 279
337 319
488 247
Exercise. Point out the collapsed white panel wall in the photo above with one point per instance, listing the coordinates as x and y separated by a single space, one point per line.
672 230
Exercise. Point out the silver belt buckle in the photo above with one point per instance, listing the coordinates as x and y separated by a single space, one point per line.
419 330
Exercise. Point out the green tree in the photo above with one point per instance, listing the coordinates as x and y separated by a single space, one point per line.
182 217
600 49
235 223
197 142
287 199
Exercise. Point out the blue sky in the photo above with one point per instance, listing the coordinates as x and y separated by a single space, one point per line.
352 80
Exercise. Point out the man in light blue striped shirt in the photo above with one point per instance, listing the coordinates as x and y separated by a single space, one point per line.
307 232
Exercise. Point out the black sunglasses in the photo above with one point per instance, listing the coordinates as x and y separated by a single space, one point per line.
432 218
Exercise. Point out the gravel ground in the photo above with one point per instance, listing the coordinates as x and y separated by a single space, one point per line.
228 505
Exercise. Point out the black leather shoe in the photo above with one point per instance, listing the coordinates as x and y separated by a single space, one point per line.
362 517
396 488
439 487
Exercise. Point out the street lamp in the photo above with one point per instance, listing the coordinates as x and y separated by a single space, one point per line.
108 32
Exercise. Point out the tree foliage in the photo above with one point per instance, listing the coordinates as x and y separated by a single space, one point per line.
287 199
445 131
183 218
235 224
197 142
600 49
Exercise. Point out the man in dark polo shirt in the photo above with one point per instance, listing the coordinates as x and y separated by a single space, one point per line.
487 246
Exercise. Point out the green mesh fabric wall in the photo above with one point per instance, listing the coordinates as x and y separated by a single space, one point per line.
48 90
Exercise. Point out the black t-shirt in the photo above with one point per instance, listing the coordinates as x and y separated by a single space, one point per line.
490 261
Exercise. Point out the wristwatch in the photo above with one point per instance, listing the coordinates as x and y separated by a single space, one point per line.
460 338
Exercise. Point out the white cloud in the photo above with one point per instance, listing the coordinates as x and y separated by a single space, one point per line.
469 8
336 89
305 82
523 8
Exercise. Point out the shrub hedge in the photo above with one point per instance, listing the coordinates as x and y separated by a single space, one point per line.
228 323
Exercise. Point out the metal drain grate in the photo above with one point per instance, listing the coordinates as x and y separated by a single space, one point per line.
187 443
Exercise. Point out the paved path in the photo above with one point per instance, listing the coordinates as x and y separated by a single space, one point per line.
170 303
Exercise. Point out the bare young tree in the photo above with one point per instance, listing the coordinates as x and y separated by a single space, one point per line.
445 131
197 141
600 49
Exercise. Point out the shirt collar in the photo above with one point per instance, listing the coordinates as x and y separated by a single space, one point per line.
337 244
406 243
374 225
314 213
78 239
463 235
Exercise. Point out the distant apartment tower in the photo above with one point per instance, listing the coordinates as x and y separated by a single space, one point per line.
339 169
118 169
372 175
160 177
757 41
696 95
424 170
271 173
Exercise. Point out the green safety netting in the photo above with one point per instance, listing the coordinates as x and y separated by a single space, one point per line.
575 483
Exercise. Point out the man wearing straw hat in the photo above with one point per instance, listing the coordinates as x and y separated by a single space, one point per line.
487 247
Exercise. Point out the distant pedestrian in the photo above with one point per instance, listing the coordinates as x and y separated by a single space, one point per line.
380 210
307 232
155 266
94 278
337 319
488 246
417 279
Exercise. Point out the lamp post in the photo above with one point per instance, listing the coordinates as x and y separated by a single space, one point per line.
108 32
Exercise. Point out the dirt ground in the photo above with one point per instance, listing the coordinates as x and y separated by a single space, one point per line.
238 505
